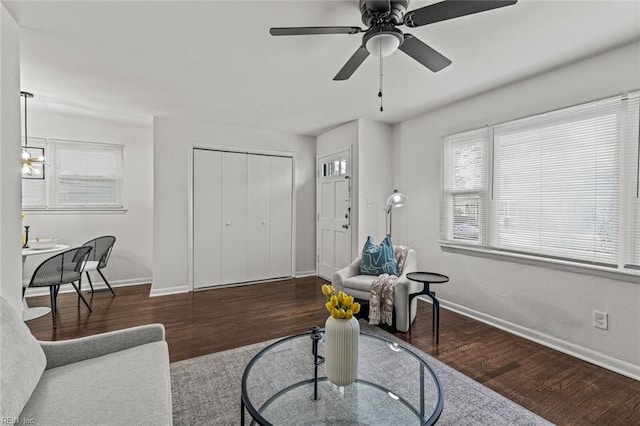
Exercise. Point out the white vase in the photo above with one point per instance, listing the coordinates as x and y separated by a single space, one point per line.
341 350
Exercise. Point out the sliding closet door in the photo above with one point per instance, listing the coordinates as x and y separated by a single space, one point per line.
207 191
233 240
259 196
281 216
242 217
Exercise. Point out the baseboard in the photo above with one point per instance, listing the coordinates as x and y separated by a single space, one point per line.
97 285
302 274
169 290
605 361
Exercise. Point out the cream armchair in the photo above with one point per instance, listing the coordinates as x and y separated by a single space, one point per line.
349 280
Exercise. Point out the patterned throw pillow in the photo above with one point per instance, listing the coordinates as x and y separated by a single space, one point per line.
378 259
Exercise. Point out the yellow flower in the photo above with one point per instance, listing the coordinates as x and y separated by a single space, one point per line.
340 306
334 301
327 290
329 306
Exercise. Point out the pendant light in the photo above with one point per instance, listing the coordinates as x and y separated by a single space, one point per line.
32 158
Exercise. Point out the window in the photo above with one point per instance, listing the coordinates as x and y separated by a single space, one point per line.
561 185
80 175
334 168
465 180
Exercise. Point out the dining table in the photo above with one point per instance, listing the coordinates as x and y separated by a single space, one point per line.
29 313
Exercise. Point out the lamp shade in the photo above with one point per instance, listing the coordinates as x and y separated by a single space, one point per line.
396 199
382 40
383 44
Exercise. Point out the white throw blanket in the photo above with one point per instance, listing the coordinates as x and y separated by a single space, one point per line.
382 291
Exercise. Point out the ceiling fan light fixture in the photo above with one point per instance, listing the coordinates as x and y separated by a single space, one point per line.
383 42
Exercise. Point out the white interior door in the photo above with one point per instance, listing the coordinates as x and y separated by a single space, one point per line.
233 256
259 217
281 191
207 190
334 211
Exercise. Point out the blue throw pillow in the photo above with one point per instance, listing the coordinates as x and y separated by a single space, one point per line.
378 259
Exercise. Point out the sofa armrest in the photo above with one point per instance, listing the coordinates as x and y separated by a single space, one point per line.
69 351
351 270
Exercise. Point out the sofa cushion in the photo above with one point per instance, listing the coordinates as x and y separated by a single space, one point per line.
132 386
378 259
22 362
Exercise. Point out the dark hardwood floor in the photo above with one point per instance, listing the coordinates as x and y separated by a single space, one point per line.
558 387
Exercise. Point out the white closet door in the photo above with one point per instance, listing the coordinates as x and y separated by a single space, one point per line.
259 217
281 216
206 218
234 218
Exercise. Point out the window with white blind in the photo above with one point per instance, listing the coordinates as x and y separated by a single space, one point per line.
81 175
465 186
560 185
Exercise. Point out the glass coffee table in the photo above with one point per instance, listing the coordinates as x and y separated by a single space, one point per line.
286 384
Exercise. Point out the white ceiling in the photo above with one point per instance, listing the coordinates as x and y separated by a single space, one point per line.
216 61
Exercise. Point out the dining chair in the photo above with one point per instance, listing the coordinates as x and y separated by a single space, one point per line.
62 268
98 258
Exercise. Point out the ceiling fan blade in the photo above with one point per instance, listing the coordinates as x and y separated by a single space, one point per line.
292 31
424 54
352 64
450 9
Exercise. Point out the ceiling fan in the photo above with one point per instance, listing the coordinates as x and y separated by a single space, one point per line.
382 37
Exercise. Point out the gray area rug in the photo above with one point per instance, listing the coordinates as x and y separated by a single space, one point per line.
206 391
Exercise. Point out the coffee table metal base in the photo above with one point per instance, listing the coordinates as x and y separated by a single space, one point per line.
315 397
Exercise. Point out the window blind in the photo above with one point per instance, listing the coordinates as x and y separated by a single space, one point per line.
556 183
86 175
563 185
464 184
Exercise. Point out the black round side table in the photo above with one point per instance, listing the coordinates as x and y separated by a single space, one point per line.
429 278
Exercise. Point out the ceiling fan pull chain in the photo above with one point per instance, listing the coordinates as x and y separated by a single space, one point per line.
381 80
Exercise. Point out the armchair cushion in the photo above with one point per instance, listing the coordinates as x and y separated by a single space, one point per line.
378 259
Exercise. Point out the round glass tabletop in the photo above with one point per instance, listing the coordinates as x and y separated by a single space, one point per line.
394 386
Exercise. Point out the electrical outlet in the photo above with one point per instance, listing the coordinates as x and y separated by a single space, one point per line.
601 320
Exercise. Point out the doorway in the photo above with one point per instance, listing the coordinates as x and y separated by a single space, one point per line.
333 213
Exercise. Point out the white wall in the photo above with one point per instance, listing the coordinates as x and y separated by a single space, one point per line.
131 258
172 139
375 174
550 305
10 269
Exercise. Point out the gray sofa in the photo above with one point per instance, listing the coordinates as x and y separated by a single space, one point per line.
349 280
120 377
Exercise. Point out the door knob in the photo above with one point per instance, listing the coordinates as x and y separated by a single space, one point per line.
228 223
345 226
